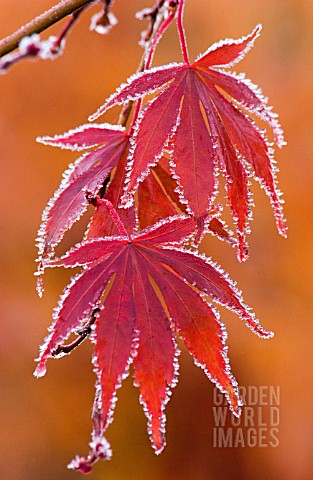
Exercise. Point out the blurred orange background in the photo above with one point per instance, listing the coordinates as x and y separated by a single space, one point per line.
45 422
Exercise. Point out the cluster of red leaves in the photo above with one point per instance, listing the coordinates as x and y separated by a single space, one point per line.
153 188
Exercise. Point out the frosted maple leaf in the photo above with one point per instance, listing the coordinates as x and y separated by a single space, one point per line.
199 115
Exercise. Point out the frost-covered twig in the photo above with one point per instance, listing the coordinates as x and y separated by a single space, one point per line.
42 22
150 14
103 21
82 335
149 40
34 47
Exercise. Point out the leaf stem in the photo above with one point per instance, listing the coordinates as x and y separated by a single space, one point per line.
42 22
158 34
69 25
158 30
181 31
156 19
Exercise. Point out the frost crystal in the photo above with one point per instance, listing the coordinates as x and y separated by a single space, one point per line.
30 45
102 24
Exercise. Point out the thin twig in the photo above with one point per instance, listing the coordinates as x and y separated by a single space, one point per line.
150 14
51 48
158 34
69 25
82 335
155 30
161 22
42 22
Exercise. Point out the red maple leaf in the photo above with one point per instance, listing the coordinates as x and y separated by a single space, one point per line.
153 288
85 175
204 131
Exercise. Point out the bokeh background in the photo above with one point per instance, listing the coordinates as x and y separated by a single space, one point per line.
45 422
